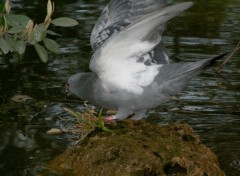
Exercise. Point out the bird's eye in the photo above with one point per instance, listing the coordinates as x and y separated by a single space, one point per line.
67 85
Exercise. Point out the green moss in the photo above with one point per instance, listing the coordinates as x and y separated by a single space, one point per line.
139 148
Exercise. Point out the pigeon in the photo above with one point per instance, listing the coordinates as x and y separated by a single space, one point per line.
130 69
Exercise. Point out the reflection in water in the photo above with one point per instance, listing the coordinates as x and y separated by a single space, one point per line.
210 104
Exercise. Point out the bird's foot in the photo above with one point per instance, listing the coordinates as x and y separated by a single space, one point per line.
110 119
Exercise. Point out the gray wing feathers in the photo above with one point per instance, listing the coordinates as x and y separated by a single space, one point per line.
146 28
106 33
118 14
99 26
160 17
159 54
131 10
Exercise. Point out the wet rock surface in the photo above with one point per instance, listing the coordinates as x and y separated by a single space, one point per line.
139 148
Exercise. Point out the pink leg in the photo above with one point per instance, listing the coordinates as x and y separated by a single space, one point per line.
110 119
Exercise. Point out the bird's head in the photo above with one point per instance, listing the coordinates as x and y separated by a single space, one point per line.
73 85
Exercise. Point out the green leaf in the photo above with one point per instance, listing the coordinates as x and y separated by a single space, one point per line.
17 46
38 34
20 47
4 46
51 45
52 33
11 43
100 124
16 20
42 52
31 39
16 29
64 22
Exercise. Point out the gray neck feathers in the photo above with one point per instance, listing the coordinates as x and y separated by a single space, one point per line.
86 89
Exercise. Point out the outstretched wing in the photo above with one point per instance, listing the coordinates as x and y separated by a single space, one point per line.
123 59
119 14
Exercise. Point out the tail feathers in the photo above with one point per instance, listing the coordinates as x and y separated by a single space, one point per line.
197 67
211 61
173 78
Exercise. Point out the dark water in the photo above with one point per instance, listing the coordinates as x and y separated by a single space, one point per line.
210 104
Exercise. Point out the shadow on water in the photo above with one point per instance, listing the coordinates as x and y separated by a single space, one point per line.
210 103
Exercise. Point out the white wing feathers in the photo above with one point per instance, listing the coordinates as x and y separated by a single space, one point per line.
117 61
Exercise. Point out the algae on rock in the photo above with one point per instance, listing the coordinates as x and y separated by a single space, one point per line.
139 148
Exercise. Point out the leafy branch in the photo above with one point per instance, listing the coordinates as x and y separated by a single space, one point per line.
19 31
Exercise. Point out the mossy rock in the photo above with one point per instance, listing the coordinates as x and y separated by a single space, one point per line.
139 148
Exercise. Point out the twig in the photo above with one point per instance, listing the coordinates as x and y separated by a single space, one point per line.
230 87
236 49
